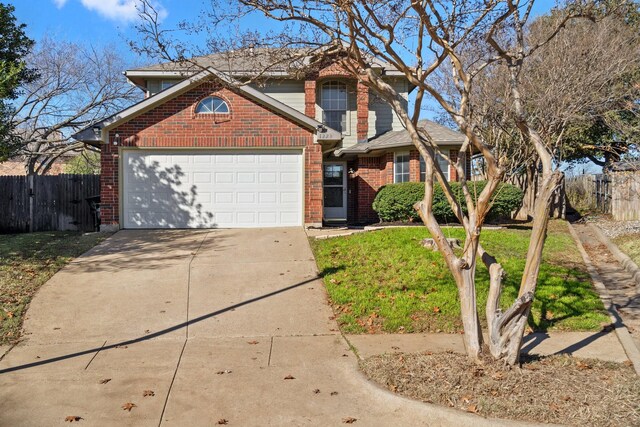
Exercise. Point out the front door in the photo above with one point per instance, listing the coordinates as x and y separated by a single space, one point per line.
335 191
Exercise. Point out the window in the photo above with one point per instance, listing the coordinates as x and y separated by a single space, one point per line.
212 104
444 165
166 84
401 168
333 101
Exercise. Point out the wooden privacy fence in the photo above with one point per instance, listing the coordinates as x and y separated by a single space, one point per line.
617 192
625 191
47 203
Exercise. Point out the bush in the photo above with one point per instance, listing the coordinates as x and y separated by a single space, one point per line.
394 202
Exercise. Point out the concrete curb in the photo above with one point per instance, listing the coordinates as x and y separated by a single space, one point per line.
628 264
350 232
621 330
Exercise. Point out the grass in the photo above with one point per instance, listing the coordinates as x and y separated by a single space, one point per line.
630 245
27 261
385 281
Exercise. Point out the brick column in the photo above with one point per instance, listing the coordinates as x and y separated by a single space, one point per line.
368 181
453 173
310 98
313 185
414 166
362 95
109 200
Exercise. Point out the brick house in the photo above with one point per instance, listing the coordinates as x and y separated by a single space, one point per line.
204 149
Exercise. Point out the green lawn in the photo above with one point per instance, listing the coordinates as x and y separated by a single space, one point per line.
630 245
385 281
27 261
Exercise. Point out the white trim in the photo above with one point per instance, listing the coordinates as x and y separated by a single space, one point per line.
347 125
345 198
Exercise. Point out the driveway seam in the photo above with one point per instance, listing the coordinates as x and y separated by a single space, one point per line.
175 374
195 254
270 351
186 338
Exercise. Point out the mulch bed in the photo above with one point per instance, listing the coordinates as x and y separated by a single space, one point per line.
556 389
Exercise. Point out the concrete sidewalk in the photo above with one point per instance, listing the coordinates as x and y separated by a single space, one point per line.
213 325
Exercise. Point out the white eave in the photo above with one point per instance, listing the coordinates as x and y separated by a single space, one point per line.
93 134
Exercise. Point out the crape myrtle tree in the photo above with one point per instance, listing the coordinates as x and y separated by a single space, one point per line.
419 38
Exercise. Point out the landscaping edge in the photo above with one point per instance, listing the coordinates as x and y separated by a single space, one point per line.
624 259
442 414
621 330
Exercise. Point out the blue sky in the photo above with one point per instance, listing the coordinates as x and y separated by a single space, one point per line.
97 22
100 22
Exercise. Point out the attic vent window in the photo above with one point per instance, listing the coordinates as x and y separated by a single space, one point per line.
212 104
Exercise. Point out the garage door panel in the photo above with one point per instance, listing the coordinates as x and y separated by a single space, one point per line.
212 189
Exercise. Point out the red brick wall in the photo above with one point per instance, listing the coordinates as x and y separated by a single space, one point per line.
367 180
362 101
310 98
175 124
453 173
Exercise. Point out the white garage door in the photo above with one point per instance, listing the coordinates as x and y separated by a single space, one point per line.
196 189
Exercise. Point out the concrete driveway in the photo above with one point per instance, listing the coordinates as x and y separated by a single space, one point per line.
211 322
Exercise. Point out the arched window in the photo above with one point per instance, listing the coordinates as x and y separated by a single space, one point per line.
333 101
212 104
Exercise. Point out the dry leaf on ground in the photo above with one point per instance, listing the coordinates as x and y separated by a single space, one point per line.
129 406
147 393
72 418
349 420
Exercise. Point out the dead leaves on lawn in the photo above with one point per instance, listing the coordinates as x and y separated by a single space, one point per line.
582 365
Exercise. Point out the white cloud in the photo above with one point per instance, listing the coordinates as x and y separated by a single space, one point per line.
60 3
119 10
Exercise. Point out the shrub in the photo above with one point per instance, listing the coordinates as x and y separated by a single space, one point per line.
394 202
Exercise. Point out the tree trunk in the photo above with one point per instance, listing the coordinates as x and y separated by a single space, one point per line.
465 279
528 184
506 329
464 272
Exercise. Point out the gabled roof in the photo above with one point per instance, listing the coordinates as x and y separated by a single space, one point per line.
441 135
88 135
244 62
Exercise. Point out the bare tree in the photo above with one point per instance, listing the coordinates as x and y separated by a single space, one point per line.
77 85
467 39
581 94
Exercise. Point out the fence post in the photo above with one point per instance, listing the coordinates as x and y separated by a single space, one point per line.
31 202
